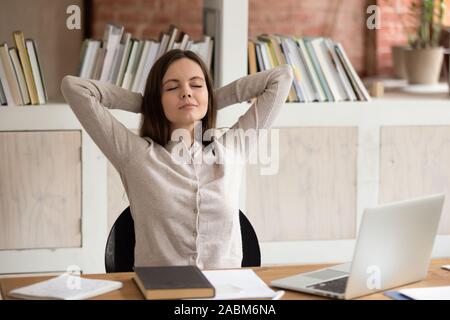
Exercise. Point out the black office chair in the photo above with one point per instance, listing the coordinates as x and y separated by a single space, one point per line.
119 251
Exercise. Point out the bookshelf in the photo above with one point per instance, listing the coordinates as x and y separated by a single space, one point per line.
372 134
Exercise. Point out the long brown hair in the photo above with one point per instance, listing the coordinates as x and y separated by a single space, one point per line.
155 124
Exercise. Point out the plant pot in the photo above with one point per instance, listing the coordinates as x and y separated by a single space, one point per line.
423 66
398 60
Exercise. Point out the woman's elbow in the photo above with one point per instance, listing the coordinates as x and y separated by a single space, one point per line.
67 84
75 86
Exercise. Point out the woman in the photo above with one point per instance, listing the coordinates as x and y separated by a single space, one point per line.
184 212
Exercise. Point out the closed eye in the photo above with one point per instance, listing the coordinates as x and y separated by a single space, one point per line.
170 89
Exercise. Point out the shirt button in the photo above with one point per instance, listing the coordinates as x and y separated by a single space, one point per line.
195 211
194 233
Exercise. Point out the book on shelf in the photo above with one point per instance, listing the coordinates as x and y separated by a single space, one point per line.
36 71
306 61
124 51
21 77
322 70
126 61
353 76
2 94
8 78
173 282
25 60
323 84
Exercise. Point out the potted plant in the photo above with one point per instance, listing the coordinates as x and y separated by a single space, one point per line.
424 57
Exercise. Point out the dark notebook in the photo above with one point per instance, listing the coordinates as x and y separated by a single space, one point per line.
174 282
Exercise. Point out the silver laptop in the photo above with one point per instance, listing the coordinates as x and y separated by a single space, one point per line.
393 249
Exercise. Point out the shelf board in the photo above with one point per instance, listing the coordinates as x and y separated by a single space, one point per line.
389 110
52 116
380 111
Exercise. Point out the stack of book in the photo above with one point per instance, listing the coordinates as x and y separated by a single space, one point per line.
21 78
126 61
322 70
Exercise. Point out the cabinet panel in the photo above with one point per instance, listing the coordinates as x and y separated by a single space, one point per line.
40 189
415 161
313 195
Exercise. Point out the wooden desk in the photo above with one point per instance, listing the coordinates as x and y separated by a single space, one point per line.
436 277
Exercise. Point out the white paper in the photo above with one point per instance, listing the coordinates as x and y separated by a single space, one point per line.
431 293
66 287
237 284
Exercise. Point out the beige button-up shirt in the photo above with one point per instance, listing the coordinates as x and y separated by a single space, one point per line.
184 213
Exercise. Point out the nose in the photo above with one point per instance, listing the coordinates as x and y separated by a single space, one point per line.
186 92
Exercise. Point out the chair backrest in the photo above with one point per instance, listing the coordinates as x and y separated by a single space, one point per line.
119 251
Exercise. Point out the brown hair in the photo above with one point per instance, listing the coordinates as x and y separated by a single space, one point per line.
155 124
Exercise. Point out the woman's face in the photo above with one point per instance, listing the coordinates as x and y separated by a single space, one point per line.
184 94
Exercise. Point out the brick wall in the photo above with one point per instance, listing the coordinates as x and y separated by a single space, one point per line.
146 18
342 20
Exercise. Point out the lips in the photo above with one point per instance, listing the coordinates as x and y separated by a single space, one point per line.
188 106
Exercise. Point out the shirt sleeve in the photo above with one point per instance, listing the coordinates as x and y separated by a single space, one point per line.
270 88
90 101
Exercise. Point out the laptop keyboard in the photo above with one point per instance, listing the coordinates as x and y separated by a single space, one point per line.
336 285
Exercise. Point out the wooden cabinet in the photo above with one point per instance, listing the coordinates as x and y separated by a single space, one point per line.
415 160
312 195
40 189
56 191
